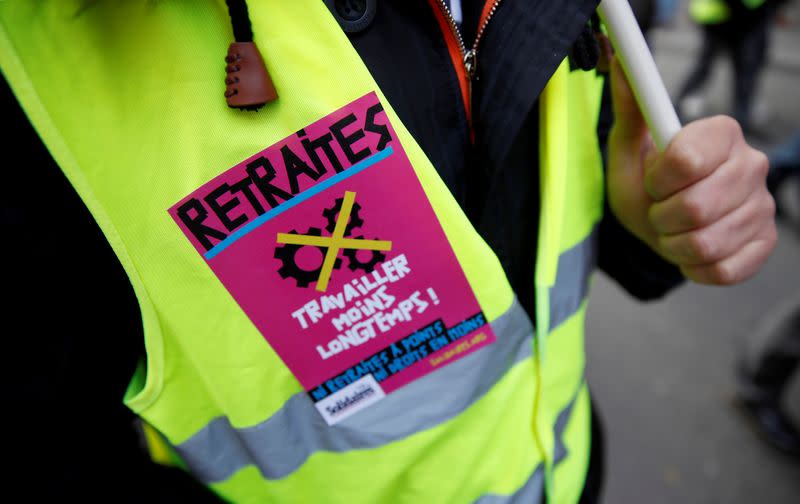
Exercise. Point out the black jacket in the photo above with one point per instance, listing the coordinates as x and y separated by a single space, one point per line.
79 334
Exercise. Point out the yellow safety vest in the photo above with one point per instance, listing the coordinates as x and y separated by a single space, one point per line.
127 96
716 11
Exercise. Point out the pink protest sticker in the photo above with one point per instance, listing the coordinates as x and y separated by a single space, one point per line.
329 245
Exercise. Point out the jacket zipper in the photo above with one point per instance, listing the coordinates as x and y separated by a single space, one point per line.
465 61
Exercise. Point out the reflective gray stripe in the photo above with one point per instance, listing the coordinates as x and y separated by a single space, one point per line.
572 286
530 493
572 279
533 489
282 443
560 451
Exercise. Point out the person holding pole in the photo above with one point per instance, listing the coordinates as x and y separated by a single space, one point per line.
360 242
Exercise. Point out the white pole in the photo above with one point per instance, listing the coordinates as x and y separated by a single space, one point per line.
640 69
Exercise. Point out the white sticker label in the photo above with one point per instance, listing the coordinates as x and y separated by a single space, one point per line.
351 399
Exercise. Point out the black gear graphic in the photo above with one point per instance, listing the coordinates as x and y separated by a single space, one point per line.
289 268
331 213
355 263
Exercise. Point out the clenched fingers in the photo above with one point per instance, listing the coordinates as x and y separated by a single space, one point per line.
711 213
694 154
728 188
738 267
723 238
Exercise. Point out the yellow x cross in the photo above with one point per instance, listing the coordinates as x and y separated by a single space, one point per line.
335 242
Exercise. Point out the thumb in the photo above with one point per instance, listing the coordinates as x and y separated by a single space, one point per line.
630 149
628 119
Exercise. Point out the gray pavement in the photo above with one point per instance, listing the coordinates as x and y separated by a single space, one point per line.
663 372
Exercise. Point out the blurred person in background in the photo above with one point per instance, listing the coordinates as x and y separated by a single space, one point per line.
765 374
765 371
741 28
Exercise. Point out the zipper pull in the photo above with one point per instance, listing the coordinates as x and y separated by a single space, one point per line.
471 63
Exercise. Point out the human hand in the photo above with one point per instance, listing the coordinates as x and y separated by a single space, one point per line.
702 204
